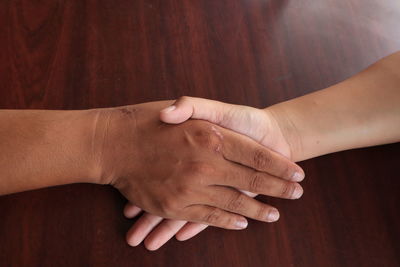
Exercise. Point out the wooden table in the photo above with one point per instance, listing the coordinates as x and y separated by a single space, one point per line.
85 54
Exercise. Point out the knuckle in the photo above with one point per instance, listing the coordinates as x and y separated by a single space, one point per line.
200 168
236 203
183 190
208 137
262 160
214 216
201 180
256 183
169 206
183 99
212 142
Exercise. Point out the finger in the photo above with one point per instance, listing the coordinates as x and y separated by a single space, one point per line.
142 228
231 200
244 178
189 230
197 108
215 217
183 230
243 150
131 210
162 233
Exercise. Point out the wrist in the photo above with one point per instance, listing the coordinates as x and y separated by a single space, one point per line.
289 132
113 143
71 133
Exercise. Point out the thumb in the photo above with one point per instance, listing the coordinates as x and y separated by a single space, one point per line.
245 120
196 108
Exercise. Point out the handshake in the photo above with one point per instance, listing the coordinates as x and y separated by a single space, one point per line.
203 163
204 170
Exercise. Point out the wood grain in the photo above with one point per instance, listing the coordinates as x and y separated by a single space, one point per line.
84 54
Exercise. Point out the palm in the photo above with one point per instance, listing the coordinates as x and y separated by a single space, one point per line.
260 126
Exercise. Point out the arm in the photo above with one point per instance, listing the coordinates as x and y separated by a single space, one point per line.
44 148
187 171
361 111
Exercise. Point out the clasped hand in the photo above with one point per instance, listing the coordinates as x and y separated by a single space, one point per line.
192 171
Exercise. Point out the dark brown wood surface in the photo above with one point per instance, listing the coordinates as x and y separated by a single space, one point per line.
85 54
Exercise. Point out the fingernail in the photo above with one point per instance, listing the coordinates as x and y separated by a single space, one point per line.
298 192
153 246
241 224
169 109
273 215
133 242
297 177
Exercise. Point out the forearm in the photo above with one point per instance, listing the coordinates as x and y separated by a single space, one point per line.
44 148
361 111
